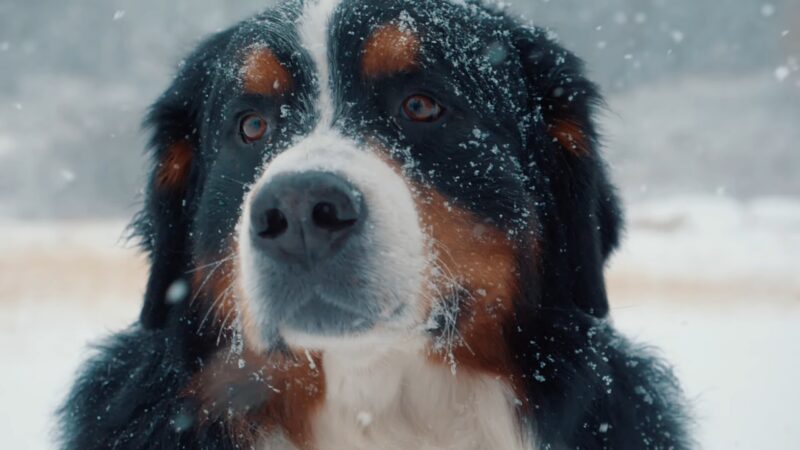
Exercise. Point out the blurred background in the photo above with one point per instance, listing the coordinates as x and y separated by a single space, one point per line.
701 129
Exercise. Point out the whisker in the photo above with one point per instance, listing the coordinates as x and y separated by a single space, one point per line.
213 306
213 263
224 323
208 276
242 183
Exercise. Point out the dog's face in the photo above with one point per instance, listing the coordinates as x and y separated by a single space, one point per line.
341 170
383 148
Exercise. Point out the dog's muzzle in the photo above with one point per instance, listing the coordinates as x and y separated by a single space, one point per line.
330 244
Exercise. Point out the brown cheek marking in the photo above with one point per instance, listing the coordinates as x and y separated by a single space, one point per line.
263 73
255 394
389 50
483 261
301 396
570 136
173 172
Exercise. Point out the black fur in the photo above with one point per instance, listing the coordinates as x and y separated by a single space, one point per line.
588 387
584 205
163 224
127 398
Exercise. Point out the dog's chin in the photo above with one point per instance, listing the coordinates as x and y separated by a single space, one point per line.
314 315
372 341
320 317
327 327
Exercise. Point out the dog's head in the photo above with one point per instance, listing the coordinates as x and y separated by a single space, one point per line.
341 171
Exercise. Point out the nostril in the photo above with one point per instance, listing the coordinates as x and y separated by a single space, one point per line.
276 224
304 217
325 216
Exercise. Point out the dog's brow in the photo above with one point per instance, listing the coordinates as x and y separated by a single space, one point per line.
264 74
390 49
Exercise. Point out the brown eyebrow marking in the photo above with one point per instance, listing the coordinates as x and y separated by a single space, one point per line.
173 172
264 74
390 49
570 136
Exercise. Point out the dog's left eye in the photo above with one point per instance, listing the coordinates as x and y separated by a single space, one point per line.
421 108
252 128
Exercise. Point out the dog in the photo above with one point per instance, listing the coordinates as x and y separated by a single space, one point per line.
376 224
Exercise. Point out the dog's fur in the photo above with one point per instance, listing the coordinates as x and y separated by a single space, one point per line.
470 311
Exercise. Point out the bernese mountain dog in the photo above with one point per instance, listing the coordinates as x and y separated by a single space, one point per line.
376 224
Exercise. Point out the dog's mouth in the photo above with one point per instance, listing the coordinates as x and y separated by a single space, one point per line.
324 316
356 291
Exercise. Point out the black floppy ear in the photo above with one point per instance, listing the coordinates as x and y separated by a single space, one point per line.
173 185
584 224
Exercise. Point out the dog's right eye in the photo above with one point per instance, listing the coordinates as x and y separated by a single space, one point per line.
421 108
253 127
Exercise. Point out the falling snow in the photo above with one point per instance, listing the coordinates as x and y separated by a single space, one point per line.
782 73
701 135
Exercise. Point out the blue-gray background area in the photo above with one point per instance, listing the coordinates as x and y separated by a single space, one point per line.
703 95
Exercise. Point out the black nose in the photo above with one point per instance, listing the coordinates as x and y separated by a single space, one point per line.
305 217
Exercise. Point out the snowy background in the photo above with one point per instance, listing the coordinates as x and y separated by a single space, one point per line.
703 139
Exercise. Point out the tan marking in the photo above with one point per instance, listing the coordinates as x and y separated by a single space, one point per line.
257 395
481 259
302 391
391 49
173 172
570 136
288 389
264 74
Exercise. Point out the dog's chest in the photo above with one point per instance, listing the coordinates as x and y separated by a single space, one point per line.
403 401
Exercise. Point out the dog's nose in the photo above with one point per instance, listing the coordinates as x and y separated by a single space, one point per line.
305 217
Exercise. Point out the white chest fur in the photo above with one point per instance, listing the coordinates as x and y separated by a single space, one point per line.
401 401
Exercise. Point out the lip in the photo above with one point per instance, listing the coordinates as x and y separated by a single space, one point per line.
318 316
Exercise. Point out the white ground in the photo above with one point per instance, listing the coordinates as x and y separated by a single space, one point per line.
711 281
715 284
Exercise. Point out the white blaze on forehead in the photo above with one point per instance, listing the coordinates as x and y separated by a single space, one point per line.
314 30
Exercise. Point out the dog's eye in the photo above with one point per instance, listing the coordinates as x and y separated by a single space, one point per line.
253 127
421 108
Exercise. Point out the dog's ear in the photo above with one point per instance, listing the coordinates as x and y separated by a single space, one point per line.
173 185
584 226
